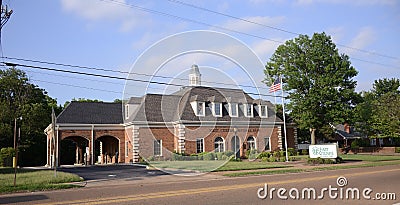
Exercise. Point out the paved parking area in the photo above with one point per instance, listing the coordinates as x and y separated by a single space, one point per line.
111 172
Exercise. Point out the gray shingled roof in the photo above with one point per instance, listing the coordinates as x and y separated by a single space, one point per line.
91 113
174 107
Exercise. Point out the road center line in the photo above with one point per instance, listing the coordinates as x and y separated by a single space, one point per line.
204 190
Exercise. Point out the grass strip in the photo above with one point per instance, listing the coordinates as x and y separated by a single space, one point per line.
293 170
35 180
244 165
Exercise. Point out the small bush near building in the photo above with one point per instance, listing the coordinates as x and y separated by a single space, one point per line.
304 152
315 161
397 150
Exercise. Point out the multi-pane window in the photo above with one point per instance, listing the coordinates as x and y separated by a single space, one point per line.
248 110
267 146
251 143
199 145
200 109
157 148
263 111
219 144
217 109
233 108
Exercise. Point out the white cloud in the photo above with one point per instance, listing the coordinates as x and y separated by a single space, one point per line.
97 11
337 33
264 49
364 37
246 26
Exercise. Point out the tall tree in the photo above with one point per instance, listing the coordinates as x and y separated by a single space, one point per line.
383 86
20 98
317 79
385 115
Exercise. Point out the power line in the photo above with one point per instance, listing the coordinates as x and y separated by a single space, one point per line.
123 72
113 77
271 27
231 30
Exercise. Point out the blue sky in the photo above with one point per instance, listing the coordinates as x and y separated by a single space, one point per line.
112 34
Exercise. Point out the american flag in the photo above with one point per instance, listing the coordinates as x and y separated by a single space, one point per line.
275 86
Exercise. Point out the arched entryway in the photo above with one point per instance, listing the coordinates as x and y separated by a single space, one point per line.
73 150
107 150
235 145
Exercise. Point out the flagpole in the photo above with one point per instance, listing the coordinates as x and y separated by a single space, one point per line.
53 127
284 119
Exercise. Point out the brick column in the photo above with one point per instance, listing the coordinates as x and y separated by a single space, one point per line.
135 143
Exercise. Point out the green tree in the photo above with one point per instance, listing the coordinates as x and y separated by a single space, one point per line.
317 79
385 115
383 86
20 98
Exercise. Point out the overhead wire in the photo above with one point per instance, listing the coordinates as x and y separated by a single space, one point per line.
270 27
123 72
112 77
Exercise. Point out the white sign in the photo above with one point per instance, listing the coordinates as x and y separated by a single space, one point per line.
328 151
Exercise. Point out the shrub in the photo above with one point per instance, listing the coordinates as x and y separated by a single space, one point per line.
304 151
229 153
319 161
209 156
292 152
264 155
272 159
6 156
218 155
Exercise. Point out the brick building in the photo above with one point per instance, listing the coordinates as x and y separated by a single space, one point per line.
192 120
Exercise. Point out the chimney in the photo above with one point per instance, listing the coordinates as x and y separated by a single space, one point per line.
347 127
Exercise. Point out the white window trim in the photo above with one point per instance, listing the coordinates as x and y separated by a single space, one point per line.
231 108
223 142
195 107
203 107
266 111
255 142
161 152
245 110
269 143
220 109
373 142
202 140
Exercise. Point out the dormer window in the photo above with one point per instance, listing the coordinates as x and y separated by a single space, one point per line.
233 109
217 109
262 110
248 110
201 107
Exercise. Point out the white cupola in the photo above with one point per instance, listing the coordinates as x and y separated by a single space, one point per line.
194 76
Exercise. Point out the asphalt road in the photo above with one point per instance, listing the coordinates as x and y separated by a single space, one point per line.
359 186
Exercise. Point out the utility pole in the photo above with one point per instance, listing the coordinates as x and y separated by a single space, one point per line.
5 14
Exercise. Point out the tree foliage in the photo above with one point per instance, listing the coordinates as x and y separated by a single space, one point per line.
317 79
20 98
379 113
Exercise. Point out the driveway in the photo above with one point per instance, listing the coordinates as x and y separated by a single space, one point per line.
111 172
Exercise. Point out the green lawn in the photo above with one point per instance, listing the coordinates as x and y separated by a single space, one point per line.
34 180
248 165
369 158
209 166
